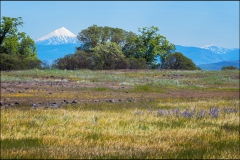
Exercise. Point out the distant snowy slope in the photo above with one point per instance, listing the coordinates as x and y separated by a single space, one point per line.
57 37
216 49
208 54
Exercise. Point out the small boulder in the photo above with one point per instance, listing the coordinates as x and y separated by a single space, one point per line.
74 101
112 100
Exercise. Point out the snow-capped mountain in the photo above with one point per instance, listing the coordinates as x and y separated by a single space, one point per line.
216 49
57 37
200 55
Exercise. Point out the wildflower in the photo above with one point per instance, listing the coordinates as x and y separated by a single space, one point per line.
201 113
176 111
214 112
232 110
159 112
187 114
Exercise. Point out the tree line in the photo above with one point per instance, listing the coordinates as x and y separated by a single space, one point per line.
101 48
115 48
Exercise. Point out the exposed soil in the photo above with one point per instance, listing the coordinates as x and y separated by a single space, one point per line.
56 92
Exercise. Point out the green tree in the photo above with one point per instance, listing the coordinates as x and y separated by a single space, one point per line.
151 44
9 27
137 63
108 56
178 61
14 42
94 35
17 44
27 46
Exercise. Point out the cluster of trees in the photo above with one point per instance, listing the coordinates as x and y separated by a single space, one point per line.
107 56
101 48
230 68
178 61
115 48
17 50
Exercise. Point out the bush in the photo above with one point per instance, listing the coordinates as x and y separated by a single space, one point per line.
103 56
18 62
229 68
178 61
137 63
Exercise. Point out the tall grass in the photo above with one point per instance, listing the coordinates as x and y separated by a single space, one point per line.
153 124
106 131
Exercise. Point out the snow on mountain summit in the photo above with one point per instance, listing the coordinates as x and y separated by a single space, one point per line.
58 36
216 49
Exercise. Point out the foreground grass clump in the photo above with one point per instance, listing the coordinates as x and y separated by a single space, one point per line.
84 132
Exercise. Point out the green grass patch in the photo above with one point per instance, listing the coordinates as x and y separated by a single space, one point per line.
148 88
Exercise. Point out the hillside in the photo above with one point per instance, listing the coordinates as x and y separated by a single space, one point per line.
219 65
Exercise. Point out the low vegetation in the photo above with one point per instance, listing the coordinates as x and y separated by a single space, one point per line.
229 68
120 114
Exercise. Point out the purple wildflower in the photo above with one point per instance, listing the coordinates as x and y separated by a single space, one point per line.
214 112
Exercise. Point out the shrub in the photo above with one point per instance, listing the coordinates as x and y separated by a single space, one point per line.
229 68
178 61
137 63
18 62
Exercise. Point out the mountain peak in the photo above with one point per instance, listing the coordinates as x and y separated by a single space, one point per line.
214 48
58 36
208 46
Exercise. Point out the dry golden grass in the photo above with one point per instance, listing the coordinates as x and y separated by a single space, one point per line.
121 130
82 133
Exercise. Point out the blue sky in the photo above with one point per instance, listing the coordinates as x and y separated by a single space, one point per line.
194 23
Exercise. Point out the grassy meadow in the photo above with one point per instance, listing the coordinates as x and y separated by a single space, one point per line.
121 114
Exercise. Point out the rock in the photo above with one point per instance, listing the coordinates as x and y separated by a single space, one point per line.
65 101
112 100
74 101
54 105
130 99
34 105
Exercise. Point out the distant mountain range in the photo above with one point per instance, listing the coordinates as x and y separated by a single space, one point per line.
208 55
216 49
61 42
219 65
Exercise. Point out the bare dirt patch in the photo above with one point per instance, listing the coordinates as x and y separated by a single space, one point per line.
60 91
